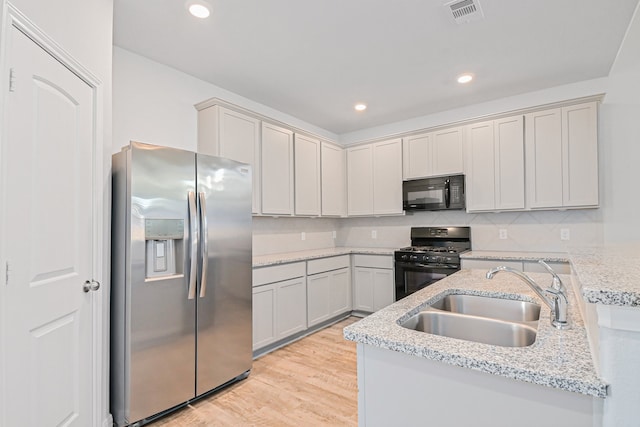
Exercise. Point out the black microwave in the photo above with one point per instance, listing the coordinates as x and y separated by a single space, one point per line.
433 194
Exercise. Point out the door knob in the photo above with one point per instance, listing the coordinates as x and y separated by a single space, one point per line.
91 285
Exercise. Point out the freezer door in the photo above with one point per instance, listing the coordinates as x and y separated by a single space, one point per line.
224 322
162 317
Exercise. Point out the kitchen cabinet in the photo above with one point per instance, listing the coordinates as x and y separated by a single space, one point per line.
307 175
495 165
373 282
328 289
561 148
334 180
277 170
374 178
227 133
279 303
433 154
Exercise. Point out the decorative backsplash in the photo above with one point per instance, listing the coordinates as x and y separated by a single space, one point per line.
537 231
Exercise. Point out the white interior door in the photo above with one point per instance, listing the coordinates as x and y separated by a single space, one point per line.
47 173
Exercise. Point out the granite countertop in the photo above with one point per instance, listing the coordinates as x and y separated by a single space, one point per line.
283 258
557 359
609 275
517 256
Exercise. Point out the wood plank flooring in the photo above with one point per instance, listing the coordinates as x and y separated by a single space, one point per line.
311 382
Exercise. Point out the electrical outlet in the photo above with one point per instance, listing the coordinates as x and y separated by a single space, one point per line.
565 234
334 234
303 236
502 233
374 234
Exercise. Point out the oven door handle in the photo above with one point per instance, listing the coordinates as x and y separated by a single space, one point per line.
442 266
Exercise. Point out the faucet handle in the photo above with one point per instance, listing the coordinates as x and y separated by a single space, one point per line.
557 282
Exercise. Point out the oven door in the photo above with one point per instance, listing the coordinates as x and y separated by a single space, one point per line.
412 277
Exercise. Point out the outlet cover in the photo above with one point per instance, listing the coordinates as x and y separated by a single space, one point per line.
374 234
565 234
334 234
502 233
303 236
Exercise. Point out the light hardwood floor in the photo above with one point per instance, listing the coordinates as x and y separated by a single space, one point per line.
311 382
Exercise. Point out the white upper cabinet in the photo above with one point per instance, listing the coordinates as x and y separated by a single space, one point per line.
227 133
387 177
307 175
433 154
277 170
562 157
334 180
446 153
580 155
360 180
374 178
495 165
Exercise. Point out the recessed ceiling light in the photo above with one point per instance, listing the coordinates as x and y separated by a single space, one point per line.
465 78
199 9
360 107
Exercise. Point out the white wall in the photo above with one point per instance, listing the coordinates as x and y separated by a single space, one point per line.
620 142
154 103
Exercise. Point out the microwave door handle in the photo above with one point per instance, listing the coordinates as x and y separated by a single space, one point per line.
447 193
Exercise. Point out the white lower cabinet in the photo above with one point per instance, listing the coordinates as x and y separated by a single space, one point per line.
328 289
373 282
279 303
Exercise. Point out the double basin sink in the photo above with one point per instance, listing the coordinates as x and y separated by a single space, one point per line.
489 320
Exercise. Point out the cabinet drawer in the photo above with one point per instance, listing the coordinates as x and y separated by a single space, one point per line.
327 264
264 275
373 261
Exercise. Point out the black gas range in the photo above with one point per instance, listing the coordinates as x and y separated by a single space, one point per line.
434 253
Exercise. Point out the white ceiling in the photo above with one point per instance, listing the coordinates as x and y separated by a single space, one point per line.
315 59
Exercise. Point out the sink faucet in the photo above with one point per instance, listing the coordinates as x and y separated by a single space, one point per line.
558 303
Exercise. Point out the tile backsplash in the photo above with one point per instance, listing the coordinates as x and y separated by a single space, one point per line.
536 231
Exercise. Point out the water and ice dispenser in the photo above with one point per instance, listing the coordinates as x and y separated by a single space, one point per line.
164 247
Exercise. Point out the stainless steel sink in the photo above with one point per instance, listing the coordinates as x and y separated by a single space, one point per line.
494 308
473 328
496 321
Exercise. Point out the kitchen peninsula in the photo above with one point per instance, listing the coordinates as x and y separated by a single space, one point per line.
423 376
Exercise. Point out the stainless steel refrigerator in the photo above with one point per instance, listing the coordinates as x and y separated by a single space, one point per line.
181 278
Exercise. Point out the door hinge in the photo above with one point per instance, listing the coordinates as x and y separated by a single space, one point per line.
12 80
6 274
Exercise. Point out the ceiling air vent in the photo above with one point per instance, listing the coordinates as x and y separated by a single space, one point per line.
465 10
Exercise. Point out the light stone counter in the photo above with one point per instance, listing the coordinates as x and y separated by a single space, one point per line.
517 256
283 258
609 275
557 359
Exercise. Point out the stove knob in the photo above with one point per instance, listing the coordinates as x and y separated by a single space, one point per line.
414 257
404 257
437 259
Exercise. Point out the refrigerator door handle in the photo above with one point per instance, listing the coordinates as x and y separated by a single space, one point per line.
193 250
204 229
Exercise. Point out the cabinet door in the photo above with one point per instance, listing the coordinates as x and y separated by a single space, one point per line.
446 152
277 170
543 148
307 175
580 154
291 307
480 167
360 180
509 161
340 292
264 320
383 288
318 298
363 289
334 180
227 133
387 177
416 156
